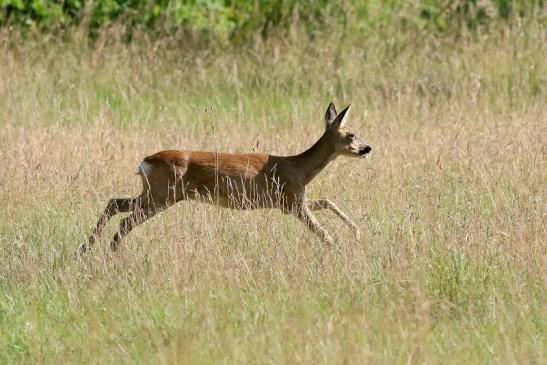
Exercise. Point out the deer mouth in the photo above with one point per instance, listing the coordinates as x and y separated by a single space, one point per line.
364 152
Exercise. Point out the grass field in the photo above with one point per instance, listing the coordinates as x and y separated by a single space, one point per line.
451 264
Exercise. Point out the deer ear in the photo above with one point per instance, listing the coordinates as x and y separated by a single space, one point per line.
340 119
330 115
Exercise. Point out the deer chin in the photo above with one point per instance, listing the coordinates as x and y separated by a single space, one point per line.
351 153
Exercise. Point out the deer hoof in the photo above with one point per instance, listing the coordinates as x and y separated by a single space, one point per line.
83 248
114 246
329 241
357 233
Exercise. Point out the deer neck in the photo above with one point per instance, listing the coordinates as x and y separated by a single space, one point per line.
315 159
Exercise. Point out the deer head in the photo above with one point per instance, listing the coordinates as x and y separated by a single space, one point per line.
342 137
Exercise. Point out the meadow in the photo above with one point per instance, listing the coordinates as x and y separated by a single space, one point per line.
451 264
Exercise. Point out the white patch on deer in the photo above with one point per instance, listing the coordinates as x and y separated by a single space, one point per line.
144 168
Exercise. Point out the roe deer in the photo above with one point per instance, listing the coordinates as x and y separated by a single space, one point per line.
237 181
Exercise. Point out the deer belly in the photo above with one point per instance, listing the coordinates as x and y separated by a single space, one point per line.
232 192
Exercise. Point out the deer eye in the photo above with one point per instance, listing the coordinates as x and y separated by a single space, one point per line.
350 135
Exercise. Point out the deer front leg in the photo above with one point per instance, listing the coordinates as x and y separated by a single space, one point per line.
319 204
305 215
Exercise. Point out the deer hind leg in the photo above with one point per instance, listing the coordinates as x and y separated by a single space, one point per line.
305 215
127 224
147 206
319 204
114 206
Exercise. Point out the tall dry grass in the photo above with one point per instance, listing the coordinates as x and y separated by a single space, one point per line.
451 265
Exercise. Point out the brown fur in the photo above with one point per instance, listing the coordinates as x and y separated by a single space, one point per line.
232 180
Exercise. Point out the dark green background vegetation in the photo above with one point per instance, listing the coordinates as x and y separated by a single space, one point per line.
242 21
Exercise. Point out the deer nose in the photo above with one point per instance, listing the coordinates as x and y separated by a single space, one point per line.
367 149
